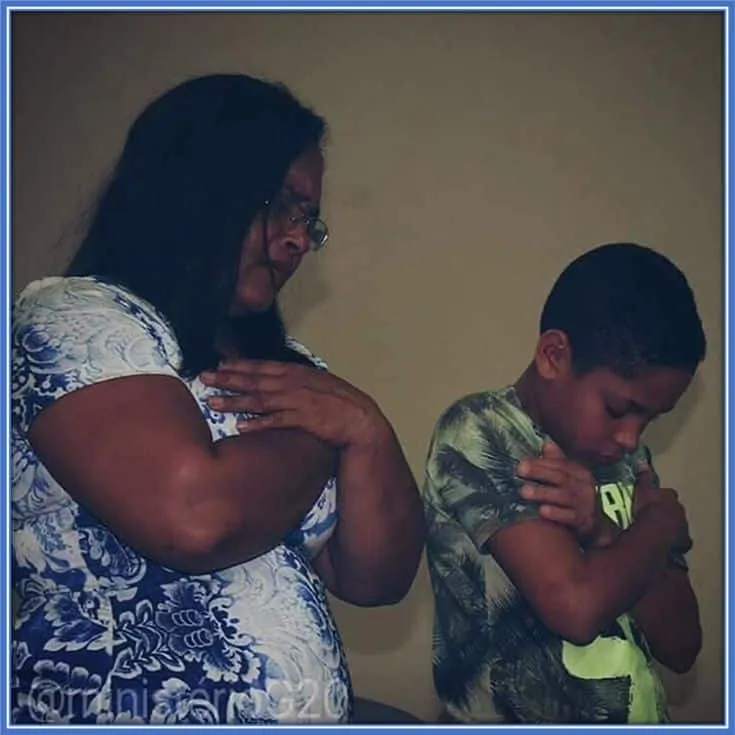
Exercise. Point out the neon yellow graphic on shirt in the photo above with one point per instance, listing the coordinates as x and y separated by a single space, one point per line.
606 658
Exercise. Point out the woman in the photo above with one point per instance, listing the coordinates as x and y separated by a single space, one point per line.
187 479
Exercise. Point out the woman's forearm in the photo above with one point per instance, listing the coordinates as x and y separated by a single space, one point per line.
380 530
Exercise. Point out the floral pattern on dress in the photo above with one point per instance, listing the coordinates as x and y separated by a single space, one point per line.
103 634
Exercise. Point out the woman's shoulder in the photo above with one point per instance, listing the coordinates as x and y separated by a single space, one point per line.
54 297
77 291
83 313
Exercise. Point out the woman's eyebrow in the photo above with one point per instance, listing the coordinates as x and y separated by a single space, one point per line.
302 200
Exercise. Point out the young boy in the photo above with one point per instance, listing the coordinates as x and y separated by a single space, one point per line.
556 559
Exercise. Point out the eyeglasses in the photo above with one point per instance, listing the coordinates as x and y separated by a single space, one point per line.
284 210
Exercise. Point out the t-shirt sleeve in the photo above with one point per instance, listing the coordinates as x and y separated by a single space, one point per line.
471 470
68 333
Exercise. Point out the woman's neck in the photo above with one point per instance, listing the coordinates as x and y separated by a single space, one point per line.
256 335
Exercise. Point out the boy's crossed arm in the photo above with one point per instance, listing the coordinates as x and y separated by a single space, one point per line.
577 592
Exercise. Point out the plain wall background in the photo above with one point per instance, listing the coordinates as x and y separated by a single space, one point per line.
471 157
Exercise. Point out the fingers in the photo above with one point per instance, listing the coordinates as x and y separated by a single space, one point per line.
552 466
545 494
542 470
670 492
553 471
555 504
278 420
645 479
255 402
551 450
566 516
260 367
235 380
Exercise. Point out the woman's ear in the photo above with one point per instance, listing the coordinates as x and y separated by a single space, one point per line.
553 355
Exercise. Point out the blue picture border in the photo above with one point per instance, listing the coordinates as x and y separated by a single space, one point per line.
330 5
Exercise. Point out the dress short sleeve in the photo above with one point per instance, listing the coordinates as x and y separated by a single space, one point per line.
68 333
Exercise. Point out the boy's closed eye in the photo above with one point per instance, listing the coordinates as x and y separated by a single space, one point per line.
616 412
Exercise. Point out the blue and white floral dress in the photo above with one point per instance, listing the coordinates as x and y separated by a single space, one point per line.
103 634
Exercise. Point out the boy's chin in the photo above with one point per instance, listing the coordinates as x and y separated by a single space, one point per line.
606 460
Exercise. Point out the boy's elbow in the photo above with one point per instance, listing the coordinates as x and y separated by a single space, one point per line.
579 630
570 614
681 664
681 655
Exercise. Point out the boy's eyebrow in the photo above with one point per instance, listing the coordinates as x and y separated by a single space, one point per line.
628 405
636 407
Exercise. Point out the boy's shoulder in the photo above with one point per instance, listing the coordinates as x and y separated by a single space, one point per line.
490 418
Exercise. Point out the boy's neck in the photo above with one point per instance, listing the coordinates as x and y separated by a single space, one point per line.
526 389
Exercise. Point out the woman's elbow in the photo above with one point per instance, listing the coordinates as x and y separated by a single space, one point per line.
375 597
396 592
377 589
186 536
185 548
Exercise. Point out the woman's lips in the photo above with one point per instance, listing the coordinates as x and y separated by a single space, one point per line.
281 271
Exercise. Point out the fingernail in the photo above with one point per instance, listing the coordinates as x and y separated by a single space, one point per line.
527 491
522 467
206 376
216 402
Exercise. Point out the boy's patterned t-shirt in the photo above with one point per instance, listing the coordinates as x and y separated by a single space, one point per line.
494 660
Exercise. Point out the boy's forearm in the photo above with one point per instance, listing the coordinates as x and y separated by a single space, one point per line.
619 574
607 533
666 612
668 616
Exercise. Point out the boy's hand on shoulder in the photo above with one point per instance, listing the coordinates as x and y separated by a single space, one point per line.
565 492
648 499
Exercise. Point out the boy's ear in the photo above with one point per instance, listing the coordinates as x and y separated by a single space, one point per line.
553 355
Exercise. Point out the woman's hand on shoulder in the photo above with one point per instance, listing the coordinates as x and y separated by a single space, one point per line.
288 395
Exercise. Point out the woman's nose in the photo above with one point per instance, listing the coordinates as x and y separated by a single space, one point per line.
296 238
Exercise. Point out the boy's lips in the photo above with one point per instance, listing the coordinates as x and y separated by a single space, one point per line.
611 458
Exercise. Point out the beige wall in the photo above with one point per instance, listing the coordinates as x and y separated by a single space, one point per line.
472 156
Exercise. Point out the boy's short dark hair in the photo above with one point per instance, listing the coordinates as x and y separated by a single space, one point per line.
624 306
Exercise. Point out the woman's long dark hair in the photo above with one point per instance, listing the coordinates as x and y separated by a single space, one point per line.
197 166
